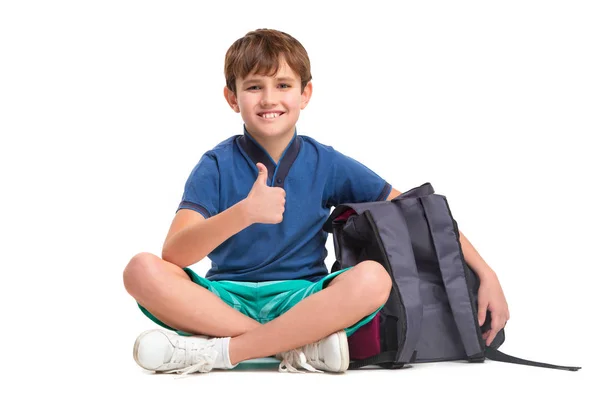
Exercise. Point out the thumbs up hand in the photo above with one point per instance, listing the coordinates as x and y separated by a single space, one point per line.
265 204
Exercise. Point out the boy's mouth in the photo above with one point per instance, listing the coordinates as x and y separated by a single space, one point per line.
271 114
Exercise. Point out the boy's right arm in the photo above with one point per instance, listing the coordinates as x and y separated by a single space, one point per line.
192 237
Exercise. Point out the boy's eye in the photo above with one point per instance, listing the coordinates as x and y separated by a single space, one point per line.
281 85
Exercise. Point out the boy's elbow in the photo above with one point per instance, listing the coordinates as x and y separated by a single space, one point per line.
172 257
176 257
165 255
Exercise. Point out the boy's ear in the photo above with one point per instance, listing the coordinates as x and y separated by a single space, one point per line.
231 99
306 94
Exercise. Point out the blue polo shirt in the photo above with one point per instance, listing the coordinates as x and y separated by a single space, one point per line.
314 176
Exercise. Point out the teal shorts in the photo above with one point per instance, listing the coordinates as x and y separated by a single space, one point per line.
263 301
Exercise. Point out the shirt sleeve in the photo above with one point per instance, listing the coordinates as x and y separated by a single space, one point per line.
201 192
352 182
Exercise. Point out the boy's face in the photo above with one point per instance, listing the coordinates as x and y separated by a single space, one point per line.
270 105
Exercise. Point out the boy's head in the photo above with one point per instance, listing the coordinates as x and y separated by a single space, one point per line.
268 81
260 52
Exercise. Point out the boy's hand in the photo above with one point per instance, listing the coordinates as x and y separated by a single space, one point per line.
265 204
491 297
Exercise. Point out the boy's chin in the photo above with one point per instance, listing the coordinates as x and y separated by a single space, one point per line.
271 133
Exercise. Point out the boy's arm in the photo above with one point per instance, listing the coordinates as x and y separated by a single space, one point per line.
191 237
490 295
393 194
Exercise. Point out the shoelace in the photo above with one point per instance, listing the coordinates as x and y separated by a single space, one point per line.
293 359
197 358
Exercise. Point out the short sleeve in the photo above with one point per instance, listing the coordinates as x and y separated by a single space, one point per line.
201 192
350 181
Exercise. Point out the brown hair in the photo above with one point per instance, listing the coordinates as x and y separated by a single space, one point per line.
259 52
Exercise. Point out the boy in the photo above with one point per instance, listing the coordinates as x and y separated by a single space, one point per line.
255 204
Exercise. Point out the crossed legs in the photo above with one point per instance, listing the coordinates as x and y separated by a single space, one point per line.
166 291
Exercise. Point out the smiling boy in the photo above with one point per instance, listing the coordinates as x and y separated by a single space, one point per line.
255 205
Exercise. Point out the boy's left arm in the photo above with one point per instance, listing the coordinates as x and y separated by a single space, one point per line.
490 296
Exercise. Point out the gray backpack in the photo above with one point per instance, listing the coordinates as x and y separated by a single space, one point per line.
431 313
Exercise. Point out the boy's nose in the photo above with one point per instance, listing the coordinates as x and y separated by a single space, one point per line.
268 98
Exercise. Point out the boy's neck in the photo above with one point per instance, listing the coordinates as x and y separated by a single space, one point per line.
275 146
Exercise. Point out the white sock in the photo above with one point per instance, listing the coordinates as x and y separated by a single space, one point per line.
222 347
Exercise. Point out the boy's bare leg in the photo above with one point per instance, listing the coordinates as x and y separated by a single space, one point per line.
346 300
167 292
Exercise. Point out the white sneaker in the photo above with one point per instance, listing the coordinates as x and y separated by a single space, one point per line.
164 351
328 354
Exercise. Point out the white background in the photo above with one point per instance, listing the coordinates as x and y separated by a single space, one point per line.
105 107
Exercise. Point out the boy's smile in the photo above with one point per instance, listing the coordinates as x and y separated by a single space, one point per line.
270 114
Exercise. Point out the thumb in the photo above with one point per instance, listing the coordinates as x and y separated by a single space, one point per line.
262 174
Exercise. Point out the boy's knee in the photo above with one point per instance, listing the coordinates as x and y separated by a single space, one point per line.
374 282
139 268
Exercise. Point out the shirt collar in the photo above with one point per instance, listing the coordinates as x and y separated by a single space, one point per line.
258 154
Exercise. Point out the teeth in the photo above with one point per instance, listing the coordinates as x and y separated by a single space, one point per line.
270 115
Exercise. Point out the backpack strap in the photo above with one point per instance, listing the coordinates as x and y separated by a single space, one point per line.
446 243
405 271
496 355
393 239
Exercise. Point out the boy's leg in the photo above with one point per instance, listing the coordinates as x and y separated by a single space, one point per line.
167 292
349 297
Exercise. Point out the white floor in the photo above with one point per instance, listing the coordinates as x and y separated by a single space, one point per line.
123 379
441 380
